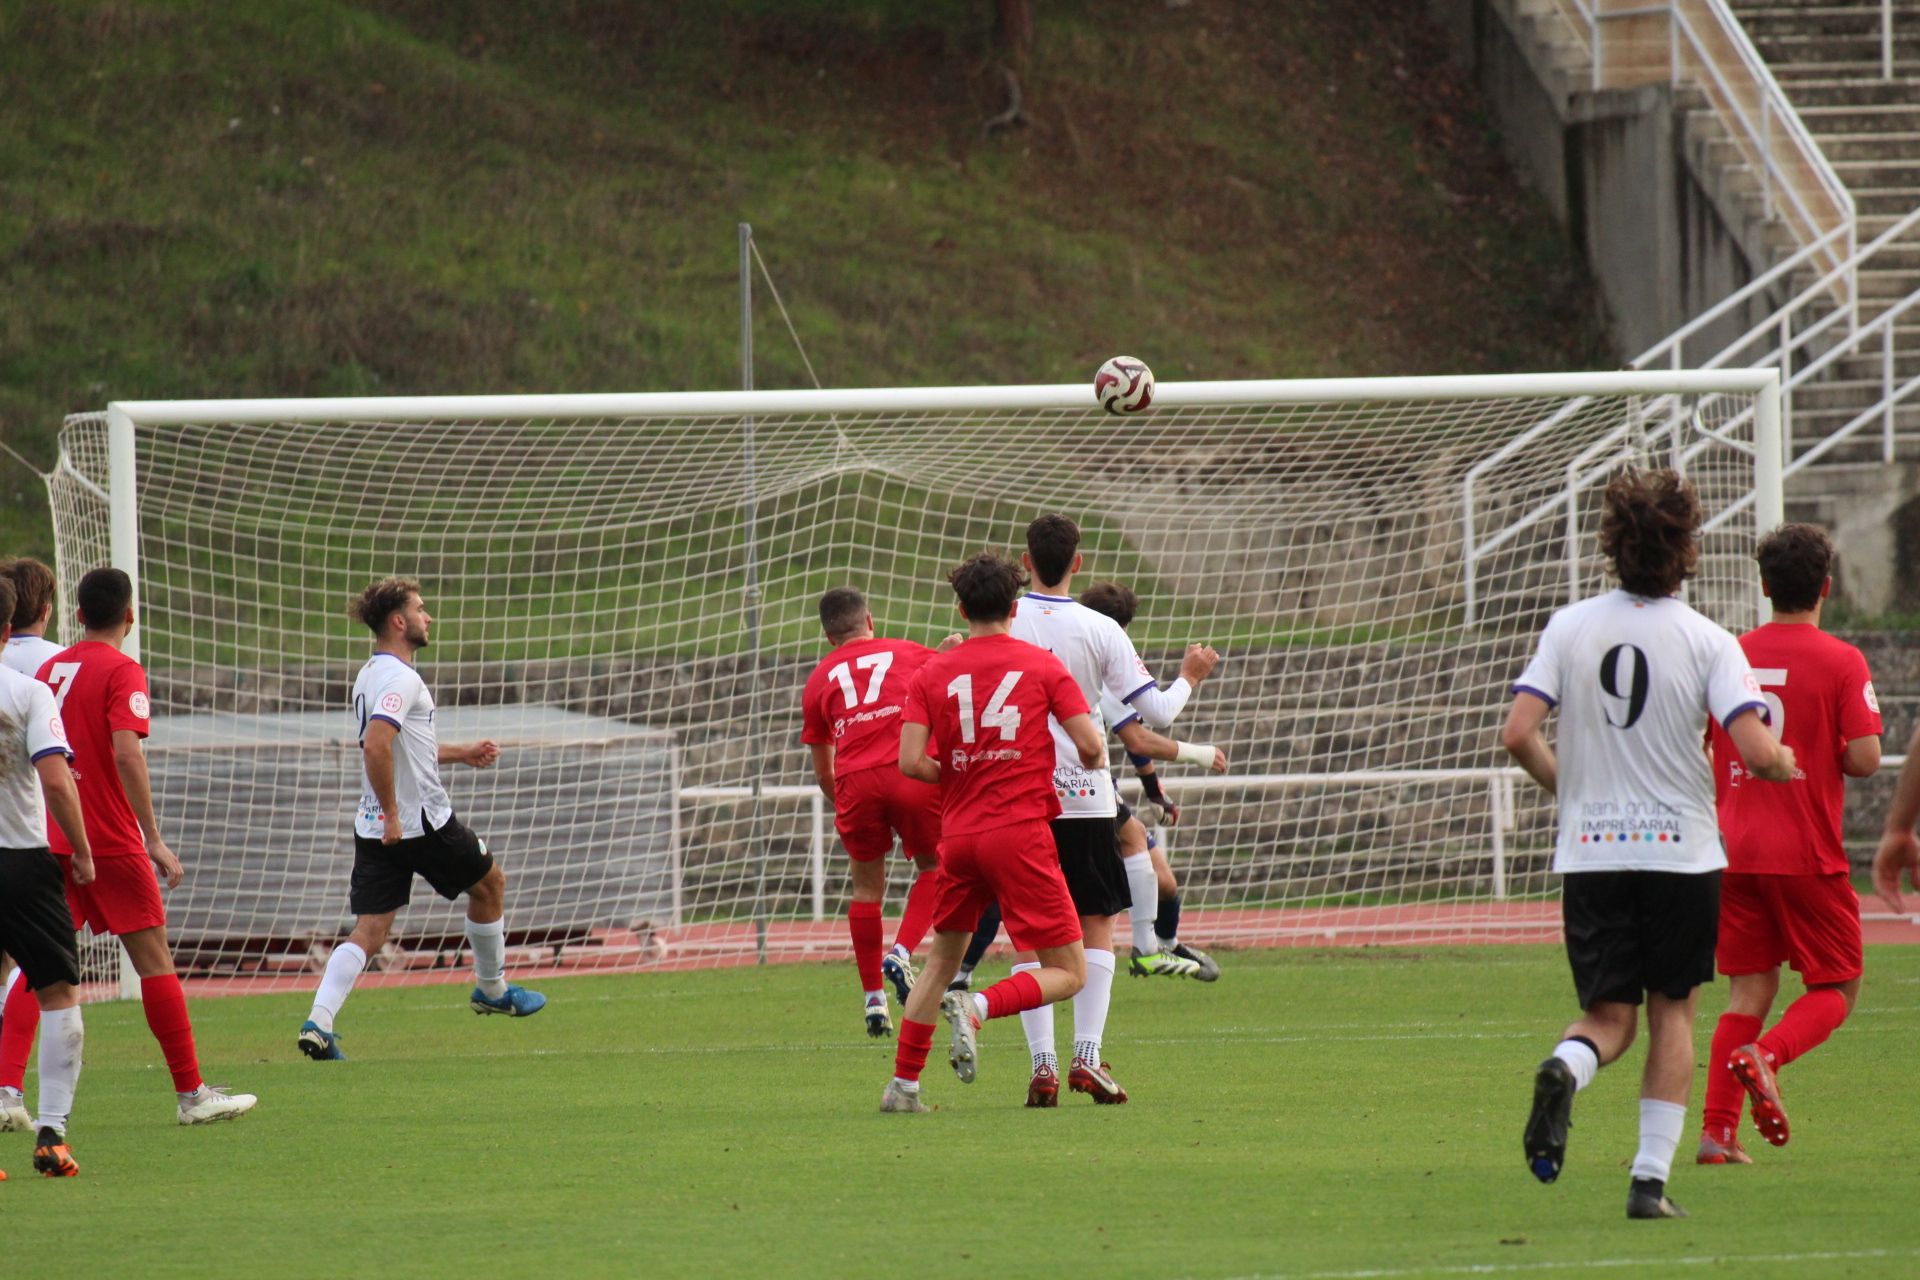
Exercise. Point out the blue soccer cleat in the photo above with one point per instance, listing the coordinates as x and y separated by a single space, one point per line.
517 1002
897 968
321 1046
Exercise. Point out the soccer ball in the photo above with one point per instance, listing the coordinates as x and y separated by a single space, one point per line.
1123 385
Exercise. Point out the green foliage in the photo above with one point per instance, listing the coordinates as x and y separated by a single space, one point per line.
322 197
1312 1113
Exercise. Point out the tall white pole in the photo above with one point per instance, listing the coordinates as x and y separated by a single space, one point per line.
1769 469
123 549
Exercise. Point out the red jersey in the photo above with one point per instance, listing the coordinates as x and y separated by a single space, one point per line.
853 700
1821 696
99 689
986 705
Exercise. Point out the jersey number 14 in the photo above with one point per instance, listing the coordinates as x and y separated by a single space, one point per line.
998 714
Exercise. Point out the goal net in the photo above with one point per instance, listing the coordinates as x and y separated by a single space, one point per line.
624 591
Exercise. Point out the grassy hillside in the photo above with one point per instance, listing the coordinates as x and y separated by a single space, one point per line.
269 197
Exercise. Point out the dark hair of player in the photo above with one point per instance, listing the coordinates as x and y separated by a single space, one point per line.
1795 561
32 590
103 596
1052 541
987 585
1646 531
6 597
1112 599
381 601
842 610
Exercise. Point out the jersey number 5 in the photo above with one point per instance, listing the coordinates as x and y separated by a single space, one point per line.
1627 688
998 714
1773 677
842 675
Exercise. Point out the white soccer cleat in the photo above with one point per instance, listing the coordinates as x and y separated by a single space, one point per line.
13 1112
211 1104
964 1053
900 1098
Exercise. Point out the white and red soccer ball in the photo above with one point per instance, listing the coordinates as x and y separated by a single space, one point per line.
1123 385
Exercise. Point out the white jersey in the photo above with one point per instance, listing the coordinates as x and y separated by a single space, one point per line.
1100 657
30 729
1635 680
390 689
27 654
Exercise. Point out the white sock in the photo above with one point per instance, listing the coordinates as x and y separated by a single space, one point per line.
876 997
979 1006
899 952
1090 1006
1580 1059
911 1086
6 989
343 970
62 1036
489 943
1038 1024
1145 887
1661 1124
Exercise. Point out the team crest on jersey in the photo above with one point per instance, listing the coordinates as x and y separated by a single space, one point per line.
1753 684
137 703
959 758
59 730
390 703
1873 701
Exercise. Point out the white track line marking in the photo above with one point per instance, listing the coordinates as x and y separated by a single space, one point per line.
1586 1264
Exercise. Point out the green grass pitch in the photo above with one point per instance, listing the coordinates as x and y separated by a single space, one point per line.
1351 1113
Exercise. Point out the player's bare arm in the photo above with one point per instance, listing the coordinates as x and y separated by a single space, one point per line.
1087 740
1524 741
377 752
914 761
823 766
63 802
475 755
1861 757
1899 848
131 763
1765 756
1142 741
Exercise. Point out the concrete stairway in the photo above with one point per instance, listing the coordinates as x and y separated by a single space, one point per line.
1827 57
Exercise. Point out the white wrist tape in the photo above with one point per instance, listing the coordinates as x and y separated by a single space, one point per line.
1194 753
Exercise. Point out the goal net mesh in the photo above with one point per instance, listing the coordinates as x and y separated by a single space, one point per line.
629 607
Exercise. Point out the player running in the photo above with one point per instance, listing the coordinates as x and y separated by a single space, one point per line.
405 825
36 926
26 651
1155 895
990 708
1787 894
1098 653
103 701
850 711
1635 674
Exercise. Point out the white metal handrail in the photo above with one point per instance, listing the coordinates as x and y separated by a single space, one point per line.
1778 127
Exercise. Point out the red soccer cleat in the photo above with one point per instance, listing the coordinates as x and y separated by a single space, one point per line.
1722 1147
1749 1067
1044 1089
1085 1077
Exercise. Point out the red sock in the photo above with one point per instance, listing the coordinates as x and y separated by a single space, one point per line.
916 1041
1015 994
22 1018
1720 1117
166 1007
863 922
1805 1025
918 917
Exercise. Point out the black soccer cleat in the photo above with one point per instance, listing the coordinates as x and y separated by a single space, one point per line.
52 1158
1647 1198
1552 1116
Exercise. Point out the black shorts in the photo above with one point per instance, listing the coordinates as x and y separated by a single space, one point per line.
1631 932
1090 860
36 925
452 860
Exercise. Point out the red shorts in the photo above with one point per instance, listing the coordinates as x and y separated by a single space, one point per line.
123 898
1810 922
1016 866
869 806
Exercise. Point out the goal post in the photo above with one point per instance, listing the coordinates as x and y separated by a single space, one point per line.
624 585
